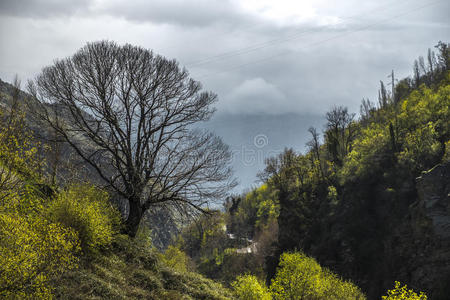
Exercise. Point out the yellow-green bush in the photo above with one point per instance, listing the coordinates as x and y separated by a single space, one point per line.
369 151
446 157
248 287
86 210
297 277
337 289
32 250
176 259
420 146
400 292
19 158
301 277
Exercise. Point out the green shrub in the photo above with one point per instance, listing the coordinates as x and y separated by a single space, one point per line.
402 293
32 251
336 288
301 277
297 277
87 210
421 147
446 157
370 151
248 287
176 259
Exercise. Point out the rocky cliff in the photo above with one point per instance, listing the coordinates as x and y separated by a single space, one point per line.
421 245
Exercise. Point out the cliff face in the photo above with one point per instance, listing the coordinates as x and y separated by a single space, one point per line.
382 235
427 244
418 251
433 189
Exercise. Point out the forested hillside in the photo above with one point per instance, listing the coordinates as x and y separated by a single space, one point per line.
361 200
361 214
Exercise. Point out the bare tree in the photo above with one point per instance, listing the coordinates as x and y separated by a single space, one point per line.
392 96
340 132
366 109
130 114
443 57
416 74
431 58
383 96
314 147
423 69
280 170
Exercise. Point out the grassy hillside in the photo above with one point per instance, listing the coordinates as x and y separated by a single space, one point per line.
63 241
133 270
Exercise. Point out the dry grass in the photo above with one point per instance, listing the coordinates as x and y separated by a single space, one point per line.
132 271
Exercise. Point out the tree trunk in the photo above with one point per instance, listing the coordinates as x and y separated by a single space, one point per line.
134 217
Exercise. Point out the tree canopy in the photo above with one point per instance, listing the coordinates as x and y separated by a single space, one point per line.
131 115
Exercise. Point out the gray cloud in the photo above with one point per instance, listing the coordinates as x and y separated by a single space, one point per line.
179 12
43 8
176 12
255 96
271 76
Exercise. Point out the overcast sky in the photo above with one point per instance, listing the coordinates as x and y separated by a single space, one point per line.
277 65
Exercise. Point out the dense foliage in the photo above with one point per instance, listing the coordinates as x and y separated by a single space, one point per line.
88 211
248 287
219 242
33 249
176 259
298 277
301 277
400 292
342 202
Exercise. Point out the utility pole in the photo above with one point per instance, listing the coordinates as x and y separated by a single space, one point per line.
392 86
394 102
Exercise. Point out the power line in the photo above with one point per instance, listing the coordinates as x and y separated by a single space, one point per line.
321 41
277 41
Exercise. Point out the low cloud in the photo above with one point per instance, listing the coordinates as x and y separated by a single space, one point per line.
255 96
179 12
43 8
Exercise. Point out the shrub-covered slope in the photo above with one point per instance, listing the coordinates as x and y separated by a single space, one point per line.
64 241
131 270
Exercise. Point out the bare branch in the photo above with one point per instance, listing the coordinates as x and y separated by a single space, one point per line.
129 114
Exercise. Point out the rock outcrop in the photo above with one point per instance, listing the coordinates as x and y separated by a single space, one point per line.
421 246
431 225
